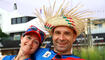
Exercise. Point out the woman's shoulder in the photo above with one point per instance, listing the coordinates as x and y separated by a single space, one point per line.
8 57
2 57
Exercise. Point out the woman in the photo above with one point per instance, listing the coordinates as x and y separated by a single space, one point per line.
30 42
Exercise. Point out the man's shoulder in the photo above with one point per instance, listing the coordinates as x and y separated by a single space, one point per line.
42 50
8 57
74 56
44 54
71 55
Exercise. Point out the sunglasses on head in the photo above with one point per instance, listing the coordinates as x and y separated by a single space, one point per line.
33 28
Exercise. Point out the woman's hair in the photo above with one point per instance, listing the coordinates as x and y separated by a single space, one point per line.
32 55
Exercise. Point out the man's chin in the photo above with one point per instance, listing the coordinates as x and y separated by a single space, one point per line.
61 49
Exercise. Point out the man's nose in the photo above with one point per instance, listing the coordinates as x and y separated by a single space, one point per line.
61 37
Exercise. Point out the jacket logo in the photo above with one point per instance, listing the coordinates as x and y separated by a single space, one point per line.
47 54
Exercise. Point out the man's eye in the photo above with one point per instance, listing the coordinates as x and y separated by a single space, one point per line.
56 32
67 33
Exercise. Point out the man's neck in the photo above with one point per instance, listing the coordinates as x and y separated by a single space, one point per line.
63 53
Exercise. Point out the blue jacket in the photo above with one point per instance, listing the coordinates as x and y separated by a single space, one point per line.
11 57
48 54
43 54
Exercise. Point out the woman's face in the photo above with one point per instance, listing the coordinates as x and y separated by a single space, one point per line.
29 43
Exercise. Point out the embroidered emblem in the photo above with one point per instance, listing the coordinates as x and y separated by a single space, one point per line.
47 54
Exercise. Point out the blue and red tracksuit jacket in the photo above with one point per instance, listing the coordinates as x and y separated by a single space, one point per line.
46 54
11 57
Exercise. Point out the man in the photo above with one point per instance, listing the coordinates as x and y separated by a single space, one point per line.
64 26
63 38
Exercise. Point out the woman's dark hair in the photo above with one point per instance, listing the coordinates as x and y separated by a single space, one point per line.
32 55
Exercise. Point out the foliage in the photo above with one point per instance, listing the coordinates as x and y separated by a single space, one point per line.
91 53
2 34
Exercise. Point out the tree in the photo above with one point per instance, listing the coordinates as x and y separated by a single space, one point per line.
3 34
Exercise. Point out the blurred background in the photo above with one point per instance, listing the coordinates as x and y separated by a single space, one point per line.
17 15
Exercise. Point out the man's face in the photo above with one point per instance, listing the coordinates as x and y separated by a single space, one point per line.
29 43
63 38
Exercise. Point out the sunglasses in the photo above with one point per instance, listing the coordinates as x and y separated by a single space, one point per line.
33 28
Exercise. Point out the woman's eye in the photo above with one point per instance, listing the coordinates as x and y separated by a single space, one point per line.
36 42
29 38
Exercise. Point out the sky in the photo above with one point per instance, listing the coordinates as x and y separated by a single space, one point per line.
27 7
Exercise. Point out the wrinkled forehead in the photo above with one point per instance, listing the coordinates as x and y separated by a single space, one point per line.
69 28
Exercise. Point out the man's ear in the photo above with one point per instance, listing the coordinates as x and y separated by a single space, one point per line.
74 37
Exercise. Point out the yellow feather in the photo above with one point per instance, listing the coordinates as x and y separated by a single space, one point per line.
57 13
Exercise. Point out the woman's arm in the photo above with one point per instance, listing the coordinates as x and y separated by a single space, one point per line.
21 56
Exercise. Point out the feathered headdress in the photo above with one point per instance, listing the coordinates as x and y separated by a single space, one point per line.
64 16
